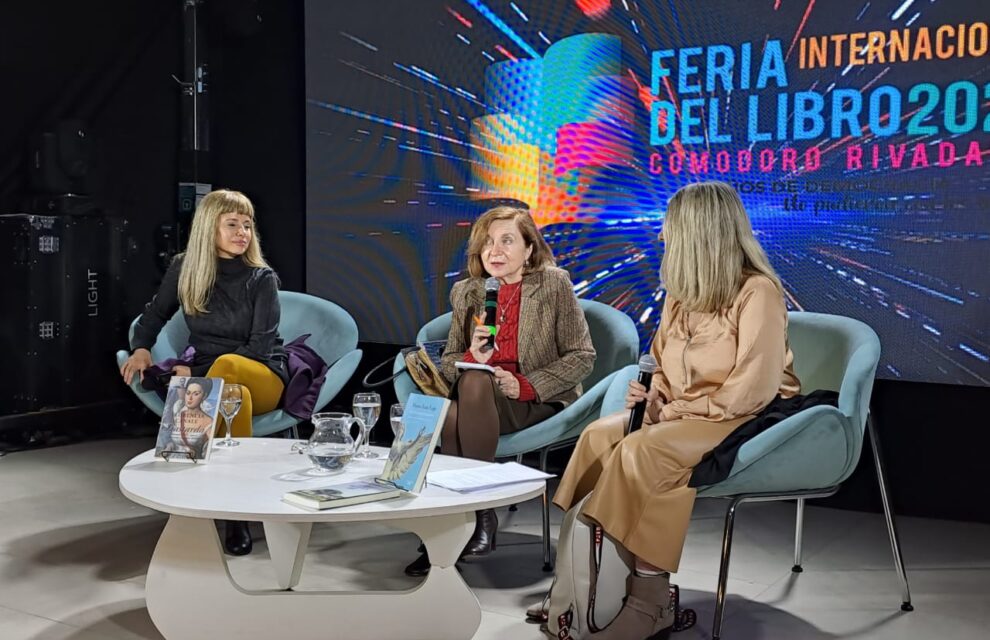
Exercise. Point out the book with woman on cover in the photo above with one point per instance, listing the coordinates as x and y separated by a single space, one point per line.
406 467
189 419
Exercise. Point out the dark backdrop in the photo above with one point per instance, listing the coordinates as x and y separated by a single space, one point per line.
112 63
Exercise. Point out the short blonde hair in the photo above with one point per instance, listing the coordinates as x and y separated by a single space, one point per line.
199 264
709 247
541 256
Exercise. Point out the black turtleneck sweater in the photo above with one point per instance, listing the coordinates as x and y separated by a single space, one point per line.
243 317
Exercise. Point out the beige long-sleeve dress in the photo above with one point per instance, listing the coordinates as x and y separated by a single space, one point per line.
717 370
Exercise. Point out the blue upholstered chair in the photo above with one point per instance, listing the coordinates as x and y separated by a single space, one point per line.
616 345
334 336
811 453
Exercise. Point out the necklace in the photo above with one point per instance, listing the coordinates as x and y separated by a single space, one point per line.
505 307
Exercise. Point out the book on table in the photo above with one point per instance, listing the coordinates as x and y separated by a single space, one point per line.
189 419
405 470
341 495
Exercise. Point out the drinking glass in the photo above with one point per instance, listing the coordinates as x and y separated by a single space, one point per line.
395 417
230 404
367 406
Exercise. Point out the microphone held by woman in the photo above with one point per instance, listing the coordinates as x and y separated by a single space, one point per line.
647 366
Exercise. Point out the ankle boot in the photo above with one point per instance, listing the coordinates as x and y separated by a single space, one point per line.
646 614
483 541
420 566
238 540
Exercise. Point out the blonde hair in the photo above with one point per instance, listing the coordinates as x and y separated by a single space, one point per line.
199 263
541 256
710 249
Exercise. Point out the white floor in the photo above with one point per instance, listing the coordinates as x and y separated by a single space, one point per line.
74 552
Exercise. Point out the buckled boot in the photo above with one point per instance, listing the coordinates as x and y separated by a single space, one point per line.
647 613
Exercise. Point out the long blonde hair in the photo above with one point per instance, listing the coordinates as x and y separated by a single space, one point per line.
709 247
199 264
541 256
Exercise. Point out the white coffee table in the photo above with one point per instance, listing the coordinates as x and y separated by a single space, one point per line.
190 593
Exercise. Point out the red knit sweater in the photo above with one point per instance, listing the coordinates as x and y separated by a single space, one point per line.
506 353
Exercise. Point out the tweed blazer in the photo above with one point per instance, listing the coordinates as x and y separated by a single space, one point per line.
555 349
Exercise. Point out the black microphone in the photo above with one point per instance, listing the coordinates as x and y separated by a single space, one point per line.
491 303
647 365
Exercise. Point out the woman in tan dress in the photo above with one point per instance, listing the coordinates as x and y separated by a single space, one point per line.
723 356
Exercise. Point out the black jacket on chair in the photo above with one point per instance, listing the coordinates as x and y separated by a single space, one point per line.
716 465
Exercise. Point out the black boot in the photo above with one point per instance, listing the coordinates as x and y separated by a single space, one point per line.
238 540
483 541
419 567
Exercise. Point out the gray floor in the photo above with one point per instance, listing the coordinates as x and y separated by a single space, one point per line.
74 552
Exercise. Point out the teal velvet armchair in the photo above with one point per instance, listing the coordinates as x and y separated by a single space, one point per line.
333 335
809 454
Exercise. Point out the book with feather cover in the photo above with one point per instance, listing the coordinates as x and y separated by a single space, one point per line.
409 457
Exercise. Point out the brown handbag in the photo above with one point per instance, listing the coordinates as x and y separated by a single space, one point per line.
425 373
421 366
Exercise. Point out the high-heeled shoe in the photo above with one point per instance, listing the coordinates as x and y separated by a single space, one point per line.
483 541
238 540
419 567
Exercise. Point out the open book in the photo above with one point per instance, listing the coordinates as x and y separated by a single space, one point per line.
189 419
406 467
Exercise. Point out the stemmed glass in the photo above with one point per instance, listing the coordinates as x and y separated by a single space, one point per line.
395 418
230 404
367 406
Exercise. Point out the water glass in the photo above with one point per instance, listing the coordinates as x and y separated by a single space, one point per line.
367 406
395 418
230 404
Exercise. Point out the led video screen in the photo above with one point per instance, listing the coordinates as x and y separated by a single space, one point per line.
855 132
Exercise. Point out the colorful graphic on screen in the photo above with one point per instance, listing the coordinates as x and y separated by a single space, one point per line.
857 133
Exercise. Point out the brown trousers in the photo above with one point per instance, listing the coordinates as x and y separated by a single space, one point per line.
641 497
479 413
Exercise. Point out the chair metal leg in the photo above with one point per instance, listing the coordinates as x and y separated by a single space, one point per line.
547 564
895 544
723 569
798 533
515 507
295 432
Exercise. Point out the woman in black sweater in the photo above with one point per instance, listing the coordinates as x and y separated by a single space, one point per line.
229 298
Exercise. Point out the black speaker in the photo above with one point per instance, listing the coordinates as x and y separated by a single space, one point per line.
62 297
60 160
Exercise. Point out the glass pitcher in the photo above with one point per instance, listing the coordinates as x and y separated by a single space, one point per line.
332 446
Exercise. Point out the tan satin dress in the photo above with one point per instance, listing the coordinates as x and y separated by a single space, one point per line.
717 370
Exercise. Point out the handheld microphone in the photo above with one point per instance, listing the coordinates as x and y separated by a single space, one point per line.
491 303
647 365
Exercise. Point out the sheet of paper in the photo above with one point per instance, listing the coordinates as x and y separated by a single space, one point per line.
474 365
484 477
